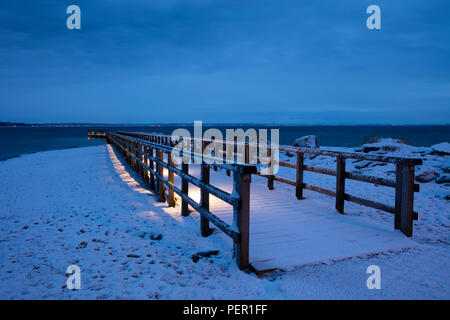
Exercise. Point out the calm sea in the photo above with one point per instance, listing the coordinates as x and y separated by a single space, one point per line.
15 141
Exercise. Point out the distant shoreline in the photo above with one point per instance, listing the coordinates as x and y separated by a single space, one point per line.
77 125
45 150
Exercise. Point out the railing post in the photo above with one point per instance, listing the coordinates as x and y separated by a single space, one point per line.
340 183
204 201
270 178
152 177
241 217
299 176
171 180
184 189
161 195
141 160
404 198
146 171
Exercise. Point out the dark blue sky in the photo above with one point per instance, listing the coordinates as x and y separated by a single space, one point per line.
277 61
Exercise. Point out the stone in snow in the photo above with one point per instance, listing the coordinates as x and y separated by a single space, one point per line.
427 175
156 237
204 254
445 166
310 141
362 164
368 149
442 148
443 179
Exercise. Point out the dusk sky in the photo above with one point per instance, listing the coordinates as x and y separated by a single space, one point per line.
277 61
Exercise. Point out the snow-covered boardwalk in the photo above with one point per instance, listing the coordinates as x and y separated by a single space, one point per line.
85 207
287 232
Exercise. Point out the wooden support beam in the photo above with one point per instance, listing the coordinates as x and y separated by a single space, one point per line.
340 184
270 177
161 195
299 176
204 201
171 180
241 218
404 199
185 190
146 162
152 177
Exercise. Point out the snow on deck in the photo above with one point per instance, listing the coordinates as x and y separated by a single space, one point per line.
287 232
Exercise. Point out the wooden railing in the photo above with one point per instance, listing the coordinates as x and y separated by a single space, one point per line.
403 184
145 154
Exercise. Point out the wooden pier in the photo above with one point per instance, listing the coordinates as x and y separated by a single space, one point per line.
265 235
97 134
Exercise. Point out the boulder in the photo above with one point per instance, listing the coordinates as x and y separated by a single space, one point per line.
445 166
442 148
362 164
427 175
368 149
443 179
310 141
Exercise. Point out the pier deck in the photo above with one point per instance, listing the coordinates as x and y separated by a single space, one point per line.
286 232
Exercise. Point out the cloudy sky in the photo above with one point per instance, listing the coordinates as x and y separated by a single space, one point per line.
275 61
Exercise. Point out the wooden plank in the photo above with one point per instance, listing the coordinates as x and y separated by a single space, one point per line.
241 218
369 203
370 179
185 190
204 200
161 194
171 200
286 164
340 184
152 177
319 189
406 201
320 170
299 176
284 180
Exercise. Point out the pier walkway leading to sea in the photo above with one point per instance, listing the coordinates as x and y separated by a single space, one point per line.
275 228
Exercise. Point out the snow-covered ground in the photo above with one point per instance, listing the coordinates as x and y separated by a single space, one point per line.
81 206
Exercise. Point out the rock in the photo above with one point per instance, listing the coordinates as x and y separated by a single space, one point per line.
447 197
427 175
445 166
156 237
310 141
204 254
389 148
82 245
443 179
442 148
378 164
368 149
207 254
362 164
289 154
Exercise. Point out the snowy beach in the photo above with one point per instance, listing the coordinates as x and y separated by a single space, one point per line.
84 207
